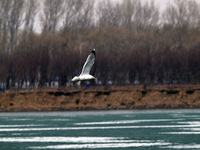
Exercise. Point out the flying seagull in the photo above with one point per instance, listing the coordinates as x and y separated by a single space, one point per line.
86 69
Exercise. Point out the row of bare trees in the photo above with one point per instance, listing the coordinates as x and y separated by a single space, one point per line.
135 41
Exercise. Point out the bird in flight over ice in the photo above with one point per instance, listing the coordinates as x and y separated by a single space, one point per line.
85 74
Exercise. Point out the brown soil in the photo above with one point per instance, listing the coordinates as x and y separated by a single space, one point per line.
101 98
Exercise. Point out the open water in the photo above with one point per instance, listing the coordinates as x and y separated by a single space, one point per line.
112 130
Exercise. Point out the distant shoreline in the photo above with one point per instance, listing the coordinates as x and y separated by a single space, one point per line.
104 98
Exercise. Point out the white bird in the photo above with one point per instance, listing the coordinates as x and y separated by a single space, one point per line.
86 69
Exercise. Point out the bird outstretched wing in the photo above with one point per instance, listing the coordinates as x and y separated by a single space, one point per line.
89 63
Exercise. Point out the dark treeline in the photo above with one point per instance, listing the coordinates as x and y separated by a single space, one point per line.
135 42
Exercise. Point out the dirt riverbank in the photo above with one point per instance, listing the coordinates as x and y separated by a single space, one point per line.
159 97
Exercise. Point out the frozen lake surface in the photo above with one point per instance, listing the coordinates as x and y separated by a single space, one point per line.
113 130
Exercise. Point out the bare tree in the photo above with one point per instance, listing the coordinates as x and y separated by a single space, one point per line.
78 14
30 13
85 17
71 11
4 15
131 14
193 14
176 13
145 15
182 16
128 10
109 14
51 14
15 20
